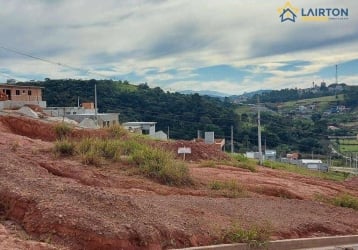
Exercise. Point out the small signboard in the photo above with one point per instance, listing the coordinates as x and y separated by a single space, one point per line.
184 150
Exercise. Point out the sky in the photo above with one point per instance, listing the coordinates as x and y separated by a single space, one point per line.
229 46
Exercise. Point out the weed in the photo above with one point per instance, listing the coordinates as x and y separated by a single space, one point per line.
65 147
241 161
91 158
14 146
207 164
216 185
117 131
341 200
62 130
159 164
346 200
230 189
255 236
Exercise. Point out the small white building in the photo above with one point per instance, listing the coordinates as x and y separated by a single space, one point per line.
145 128
270 154
313 164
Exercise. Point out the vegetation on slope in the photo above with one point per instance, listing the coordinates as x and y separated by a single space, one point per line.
152 162
183 114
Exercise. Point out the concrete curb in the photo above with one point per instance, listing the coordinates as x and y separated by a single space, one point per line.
290 244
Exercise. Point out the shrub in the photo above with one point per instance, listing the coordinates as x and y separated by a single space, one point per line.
159 164
62 130
91 158
65 147
117 131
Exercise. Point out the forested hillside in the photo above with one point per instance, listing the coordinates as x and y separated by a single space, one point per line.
184 114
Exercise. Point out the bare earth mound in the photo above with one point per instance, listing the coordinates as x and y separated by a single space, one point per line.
62 204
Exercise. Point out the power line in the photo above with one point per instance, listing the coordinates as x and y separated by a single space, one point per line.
16 51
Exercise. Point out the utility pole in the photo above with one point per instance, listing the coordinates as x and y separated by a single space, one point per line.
232 139
95 103
335 89
259 128
168 133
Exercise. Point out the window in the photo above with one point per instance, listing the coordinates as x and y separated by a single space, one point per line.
23 91
29 92
17 92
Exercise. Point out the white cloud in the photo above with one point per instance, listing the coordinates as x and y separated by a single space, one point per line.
125 37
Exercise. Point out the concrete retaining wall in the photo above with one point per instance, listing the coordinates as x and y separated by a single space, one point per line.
290 244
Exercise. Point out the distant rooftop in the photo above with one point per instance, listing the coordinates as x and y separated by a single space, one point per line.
138 123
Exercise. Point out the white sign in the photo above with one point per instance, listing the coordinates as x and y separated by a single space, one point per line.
184 150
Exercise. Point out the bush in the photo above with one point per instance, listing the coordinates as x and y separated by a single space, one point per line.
91 157
117 131
159 164
65 147
62 130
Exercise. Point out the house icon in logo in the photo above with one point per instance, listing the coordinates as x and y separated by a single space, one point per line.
288 13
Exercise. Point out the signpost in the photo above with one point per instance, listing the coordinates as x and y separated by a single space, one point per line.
184 151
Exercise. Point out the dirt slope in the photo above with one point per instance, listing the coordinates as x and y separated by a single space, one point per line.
72 206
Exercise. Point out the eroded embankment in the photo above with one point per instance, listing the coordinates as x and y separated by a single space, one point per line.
61 201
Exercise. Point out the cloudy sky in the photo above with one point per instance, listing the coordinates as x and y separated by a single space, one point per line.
230 46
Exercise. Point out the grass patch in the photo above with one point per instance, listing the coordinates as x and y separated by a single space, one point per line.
229 189
241 161
64 147
94 150
346 200
255 236
341 200
304 171
207 164
153 162
62 130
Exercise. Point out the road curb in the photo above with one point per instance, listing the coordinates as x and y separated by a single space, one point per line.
289 244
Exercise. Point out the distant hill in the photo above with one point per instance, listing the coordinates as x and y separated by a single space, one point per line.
183 114
247 95
257 92
204 92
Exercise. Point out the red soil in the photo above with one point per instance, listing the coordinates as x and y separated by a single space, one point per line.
73 206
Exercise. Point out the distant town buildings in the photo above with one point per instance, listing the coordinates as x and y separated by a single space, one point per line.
86 112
